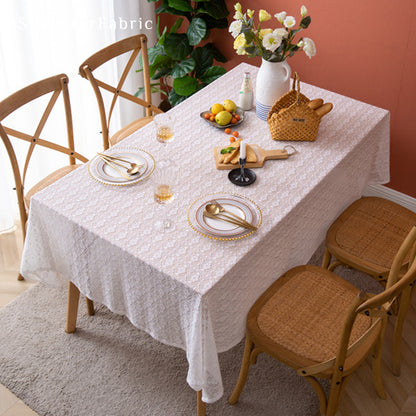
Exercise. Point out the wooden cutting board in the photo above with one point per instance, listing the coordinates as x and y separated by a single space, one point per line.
262 156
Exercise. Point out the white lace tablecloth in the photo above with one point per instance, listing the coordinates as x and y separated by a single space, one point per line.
183 289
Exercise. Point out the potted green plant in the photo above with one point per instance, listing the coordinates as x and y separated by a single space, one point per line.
178 56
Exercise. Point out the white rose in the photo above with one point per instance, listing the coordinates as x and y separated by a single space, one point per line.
289 22
309 47
303 11
271 42
280 16
235 28
281 32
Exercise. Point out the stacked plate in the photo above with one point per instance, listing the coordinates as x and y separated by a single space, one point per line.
218 229
104 173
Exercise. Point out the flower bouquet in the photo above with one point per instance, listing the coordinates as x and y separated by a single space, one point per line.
273 45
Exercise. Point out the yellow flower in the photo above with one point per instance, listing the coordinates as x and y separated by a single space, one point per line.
264 16
240 41
264 32
238 15
237 7
250 13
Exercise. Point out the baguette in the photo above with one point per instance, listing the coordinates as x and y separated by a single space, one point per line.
230 156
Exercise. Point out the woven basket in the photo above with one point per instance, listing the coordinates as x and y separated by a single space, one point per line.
290 117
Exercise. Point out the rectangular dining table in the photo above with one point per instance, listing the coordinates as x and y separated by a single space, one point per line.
184 289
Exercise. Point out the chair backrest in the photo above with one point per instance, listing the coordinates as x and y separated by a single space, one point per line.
375 307
134 44
55 86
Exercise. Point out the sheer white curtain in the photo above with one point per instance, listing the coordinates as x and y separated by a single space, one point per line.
42 38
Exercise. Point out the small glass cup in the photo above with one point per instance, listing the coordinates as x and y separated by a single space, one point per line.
164 127
164 181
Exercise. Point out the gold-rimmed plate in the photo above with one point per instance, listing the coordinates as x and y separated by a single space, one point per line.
106 174
220 230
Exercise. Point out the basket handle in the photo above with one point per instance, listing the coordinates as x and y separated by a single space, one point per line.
296 80
296 84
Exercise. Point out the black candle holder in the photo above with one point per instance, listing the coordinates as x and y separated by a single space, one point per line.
242 176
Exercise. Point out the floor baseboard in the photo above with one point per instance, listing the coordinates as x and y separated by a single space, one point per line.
392 195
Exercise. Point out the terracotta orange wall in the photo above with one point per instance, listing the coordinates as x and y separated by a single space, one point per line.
366 50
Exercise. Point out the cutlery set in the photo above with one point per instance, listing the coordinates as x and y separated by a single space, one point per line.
215 210
113 161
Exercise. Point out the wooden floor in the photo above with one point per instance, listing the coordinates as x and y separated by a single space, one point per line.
359 398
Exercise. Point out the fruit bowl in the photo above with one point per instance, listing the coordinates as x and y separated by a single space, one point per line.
238 111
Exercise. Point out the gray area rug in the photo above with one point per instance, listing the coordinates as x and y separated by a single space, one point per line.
110 368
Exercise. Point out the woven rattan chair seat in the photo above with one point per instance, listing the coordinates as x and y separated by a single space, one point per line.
306 315
372 230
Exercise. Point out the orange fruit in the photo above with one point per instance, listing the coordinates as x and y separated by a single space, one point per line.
232 139
235 133
207 116
237 117
227 131
212 118
233 120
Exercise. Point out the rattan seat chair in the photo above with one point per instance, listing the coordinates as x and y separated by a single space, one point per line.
322 326
54 86
133 44
366 236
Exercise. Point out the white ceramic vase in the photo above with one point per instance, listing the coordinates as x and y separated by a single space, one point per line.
273 80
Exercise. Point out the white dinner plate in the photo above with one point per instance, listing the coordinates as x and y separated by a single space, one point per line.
108 175
218 229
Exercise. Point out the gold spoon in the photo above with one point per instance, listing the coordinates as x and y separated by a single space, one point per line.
225 219
111 163
134 167
215 208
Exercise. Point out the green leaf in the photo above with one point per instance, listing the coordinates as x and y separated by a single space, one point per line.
215 8
177 25
154 51
162 72
177 46
218 56
203 58
305 22
161 40
161 61
185 86
165 8
182 5
182 68
175 98
211 74
196 31
250 49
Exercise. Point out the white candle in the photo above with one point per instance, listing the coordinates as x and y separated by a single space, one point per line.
243 150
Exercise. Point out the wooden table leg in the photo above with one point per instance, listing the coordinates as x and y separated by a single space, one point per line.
72 309
200 405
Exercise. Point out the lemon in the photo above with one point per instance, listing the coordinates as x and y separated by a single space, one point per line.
229 105
223 118
216 108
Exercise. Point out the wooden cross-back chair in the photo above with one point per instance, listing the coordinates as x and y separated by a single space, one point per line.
366 236
55 86
133 44
324 327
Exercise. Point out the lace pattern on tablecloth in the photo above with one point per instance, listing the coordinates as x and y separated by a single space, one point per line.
183 289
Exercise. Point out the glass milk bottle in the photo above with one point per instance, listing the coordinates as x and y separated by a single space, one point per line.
245 99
